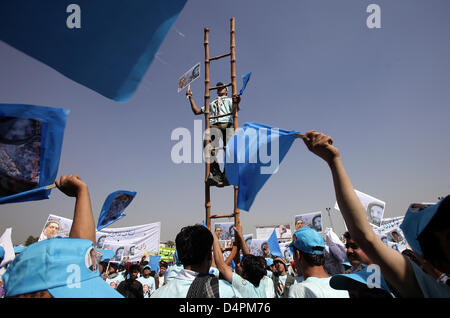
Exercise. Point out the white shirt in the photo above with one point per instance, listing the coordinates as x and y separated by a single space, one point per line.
314 287
178 287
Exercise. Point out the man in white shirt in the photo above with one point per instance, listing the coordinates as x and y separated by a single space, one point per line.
194 281
309 255
221 106
147 280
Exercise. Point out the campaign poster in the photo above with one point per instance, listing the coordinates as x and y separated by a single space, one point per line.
312 220
283 232
224 231
136 240
189 77
257 246
55 226
20 153
374 207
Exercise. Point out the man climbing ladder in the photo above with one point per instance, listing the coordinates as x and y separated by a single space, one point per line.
222 118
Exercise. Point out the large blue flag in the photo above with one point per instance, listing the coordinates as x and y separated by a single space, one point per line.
31 139
105 45
253 154
274 246
113 208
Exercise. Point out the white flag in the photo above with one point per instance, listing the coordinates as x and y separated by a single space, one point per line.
6 243
373 206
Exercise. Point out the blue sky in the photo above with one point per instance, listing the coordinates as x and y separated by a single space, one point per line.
382 94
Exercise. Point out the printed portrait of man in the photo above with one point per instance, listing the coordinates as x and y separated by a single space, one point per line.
218 231
20 140
119 254
101 241
50 230
375 213
298 223
317 223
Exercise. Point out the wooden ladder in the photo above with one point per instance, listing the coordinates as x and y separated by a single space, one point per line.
208 59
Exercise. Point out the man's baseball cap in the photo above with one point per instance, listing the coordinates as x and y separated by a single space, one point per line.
219 84
418 217
346 281
65 267
146 266
308 241
269 261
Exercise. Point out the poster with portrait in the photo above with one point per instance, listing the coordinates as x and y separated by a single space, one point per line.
55 226
283 232
189 77
20 151
256 247
391 234
374 207
312 220
224 231
122 252
140 240
286 251
113 208
30 148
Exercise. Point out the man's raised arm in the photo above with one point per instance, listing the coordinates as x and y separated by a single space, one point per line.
394 267
83 225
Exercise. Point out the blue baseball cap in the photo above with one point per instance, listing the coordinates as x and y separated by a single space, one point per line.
417 219
269 261
2 252
66 267
146 266
346 263
308 241
19 249
344 281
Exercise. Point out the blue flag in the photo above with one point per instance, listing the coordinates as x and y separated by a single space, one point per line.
30 148
253 154
245 79
106 255
154 263
274 246
113 208
105 45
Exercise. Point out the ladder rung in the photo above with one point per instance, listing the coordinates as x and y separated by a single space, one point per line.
224 115
219 148
219 56
218 216
220 86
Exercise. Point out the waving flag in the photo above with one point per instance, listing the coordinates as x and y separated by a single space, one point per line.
105 45
113 208
248 163
106 255
274 246
245 79
30 147
154 263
